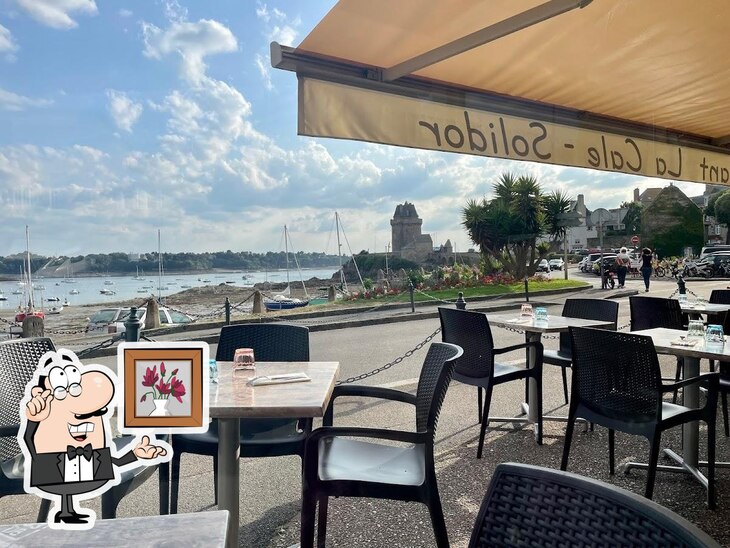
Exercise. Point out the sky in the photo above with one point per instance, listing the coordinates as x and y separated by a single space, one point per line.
121 118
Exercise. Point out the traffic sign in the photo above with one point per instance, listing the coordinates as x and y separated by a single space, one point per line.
635 240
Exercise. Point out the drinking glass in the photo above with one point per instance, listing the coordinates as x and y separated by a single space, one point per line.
244 359
526 310
695 328
714 335
541 314
682 298
213 371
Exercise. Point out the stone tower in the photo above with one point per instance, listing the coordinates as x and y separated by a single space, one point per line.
405 226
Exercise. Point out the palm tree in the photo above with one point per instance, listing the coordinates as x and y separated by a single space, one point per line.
555 204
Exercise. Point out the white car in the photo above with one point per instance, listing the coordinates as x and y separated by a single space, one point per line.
556 264
111 320
543 266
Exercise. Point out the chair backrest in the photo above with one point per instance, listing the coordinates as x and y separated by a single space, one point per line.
271 342
438 367
470 331
720 296
651 312
588 309
525 505
616 374
18 362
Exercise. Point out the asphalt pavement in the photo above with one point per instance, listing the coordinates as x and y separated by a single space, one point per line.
270 488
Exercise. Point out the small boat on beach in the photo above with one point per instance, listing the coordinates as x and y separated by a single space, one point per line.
105 291
74 291
53 299
281 302
54 310
2 296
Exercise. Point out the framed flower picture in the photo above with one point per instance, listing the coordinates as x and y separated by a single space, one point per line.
164 386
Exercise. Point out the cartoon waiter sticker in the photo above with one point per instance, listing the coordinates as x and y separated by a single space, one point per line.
65 436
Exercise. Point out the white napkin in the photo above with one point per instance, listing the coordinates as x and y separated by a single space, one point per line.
279 379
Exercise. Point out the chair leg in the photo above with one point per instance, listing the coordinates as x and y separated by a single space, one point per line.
309 508
485 421
611 450
437 517
43 510
323 503
725 414
653 458
164 482
538 381
215 480
174 482
565 383
479 404
568 438
711 438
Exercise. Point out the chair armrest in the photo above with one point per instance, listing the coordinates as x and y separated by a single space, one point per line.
358 432
712 378
366 392
7 431
506 349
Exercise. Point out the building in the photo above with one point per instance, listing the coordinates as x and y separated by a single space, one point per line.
672 222
408 240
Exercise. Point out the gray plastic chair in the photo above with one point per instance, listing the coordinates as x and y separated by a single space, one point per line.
527 506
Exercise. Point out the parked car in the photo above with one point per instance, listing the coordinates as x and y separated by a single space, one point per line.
586 265
609 262
111 320
543 266
556 264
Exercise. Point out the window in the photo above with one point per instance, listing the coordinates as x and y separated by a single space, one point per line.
177 317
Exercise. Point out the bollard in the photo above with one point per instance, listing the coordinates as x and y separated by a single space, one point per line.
152 319
681 284
331 294
410 290
132 326
527 291
258 303
228 311
460 302
33 326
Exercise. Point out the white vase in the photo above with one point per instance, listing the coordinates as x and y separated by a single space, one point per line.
160 409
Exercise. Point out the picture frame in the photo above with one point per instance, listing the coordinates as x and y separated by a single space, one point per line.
164 387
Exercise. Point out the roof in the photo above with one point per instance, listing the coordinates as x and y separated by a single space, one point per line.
654 69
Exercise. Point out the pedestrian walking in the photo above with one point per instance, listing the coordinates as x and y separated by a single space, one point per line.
646 266
622 266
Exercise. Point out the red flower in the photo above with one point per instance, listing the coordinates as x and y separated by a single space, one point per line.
143 398
150 377
163 387
174 372
162 368
178 388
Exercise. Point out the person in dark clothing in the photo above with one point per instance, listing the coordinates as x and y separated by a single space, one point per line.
646 266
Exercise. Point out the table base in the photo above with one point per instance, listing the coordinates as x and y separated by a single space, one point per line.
682 468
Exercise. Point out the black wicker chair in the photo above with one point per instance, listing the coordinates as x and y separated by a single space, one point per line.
18 362
259 437
335 465
617 384
586 309
533 506
477 367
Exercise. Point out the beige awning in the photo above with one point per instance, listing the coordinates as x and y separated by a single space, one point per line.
632 86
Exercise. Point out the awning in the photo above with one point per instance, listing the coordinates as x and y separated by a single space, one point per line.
639 87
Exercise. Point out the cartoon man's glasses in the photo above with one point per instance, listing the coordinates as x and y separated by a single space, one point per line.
60 392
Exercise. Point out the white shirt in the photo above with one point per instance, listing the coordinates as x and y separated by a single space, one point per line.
78 469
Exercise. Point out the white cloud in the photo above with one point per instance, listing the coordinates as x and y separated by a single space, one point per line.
7 44
264 70
125 13
192 41
123 110
285 35
14 102
276 28
55 13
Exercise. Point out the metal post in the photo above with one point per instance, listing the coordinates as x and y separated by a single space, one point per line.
527 291
565 254
600 244
132 326
460 302
228 311
410 290
681 285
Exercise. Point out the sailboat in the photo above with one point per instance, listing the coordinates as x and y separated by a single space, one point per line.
160 271
283 300
138 277
29 310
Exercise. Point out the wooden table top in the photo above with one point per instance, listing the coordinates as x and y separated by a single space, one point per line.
663 338
201 529
232 397
554 324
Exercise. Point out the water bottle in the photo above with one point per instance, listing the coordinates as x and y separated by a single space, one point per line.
213 371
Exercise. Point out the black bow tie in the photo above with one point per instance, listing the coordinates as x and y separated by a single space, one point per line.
86 451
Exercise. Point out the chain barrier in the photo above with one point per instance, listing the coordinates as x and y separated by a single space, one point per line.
79 331
3 320
105 344
416 290
391 364
146 338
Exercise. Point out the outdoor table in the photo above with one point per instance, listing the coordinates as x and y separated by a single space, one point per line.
232 399
202 529
689 461
704 308
533 332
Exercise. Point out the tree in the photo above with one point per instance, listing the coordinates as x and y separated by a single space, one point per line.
722 211
712 200
554 205
632 219
507 226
